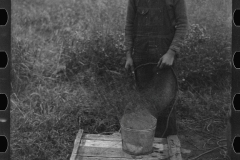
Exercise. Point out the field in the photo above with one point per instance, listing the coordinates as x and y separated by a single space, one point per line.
68 73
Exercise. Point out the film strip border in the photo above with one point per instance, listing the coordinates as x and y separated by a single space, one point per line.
234 118
5 89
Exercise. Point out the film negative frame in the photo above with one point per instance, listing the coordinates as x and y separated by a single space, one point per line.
234 118
5 46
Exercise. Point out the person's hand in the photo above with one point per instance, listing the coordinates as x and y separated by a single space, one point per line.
167 59
129 63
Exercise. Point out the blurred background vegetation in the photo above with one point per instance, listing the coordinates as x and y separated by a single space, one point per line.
68 72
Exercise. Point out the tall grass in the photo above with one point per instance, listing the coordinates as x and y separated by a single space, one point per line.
68 71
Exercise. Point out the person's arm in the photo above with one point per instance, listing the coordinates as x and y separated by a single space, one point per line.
129 29
129 33
181 24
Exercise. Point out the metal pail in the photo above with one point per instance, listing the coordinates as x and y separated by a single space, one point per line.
138 141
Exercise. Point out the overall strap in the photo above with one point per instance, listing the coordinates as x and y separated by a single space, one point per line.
168 14
136 2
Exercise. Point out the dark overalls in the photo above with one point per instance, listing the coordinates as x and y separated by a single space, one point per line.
153 36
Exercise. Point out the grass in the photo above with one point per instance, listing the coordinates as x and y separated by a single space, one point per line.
67 73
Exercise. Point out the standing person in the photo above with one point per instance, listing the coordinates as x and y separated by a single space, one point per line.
154 31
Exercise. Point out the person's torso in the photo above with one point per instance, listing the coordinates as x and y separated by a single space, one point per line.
153 30
153 17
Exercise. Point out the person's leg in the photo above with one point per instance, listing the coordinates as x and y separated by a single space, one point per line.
166 124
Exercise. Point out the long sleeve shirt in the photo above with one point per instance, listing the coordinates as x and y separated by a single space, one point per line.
178 15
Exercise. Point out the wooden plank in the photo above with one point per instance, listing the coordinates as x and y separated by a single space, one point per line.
174 147
101 144
79 157
114 137
101 137
160 153
114 144
76 144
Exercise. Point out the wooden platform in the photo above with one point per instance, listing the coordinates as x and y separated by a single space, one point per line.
109 147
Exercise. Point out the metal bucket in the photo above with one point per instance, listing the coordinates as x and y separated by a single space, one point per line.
138 142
